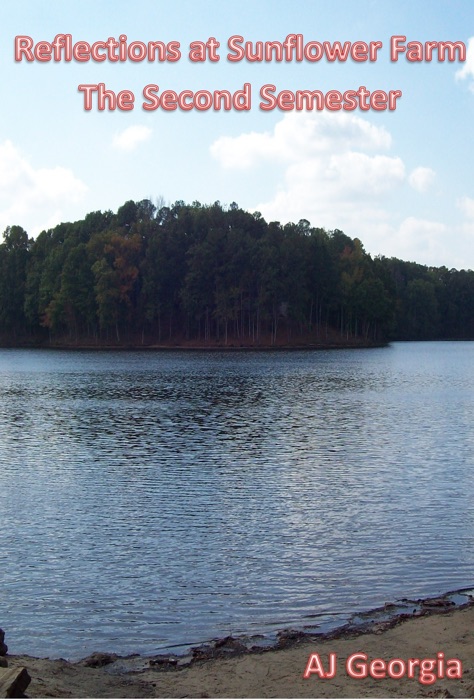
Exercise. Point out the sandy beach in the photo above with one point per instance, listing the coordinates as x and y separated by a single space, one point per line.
442 641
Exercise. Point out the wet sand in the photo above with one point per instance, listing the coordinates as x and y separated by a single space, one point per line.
447 636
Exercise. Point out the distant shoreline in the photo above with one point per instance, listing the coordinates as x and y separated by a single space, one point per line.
193 347
185 347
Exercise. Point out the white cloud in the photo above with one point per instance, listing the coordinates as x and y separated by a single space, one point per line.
423 240
333 171
467 71
358 173
466 205
131 137
336 171
435 243
465 234
421 179
33 197
298 136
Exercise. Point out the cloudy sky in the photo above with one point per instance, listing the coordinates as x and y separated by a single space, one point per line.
399 180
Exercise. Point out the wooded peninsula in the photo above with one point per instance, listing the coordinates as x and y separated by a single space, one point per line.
193 275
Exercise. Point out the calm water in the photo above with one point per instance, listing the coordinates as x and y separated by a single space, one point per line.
157 499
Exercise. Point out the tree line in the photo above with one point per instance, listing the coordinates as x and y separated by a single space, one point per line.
211 274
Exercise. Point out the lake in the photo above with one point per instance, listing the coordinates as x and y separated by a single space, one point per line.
152 500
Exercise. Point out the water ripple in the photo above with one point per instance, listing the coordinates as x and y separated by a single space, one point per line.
152 500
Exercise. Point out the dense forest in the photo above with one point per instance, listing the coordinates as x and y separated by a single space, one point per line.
212 275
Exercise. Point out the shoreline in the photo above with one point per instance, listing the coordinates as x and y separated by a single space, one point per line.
437 628
177 347
198 348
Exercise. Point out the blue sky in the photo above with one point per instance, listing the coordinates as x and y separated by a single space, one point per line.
399 180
